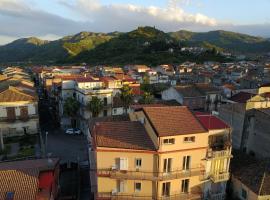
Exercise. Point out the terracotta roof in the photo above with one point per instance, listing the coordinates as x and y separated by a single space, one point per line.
86 79
173 120
114 118
211 122
124 77
253 173
241 97
22 177
24 184
13 94
124 134
136 90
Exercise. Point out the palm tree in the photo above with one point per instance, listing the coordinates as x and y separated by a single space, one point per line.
126 96
95 106
71 106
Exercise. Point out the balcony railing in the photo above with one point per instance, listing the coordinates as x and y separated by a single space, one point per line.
211 154
220 177
154 176
21 118
218 196
122 196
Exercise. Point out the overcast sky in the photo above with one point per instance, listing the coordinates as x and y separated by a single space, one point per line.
52 19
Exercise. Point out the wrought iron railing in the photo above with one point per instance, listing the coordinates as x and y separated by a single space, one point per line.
154 176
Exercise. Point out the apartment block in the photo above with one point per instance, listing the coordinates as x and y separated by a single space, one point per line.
161 153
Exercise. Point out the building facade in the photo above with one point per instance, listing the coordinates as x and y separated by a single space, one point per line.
161 153
18 112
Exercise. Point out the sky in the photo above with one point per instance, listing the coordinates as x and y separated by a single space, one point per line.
53 19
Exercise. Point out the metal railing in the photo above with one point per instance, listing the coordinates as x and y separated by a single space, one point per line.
122 196
218 196
154 176
212 154
21 118
220 177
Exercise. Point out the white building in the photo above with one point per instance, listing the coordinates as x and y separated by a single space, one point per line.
18 112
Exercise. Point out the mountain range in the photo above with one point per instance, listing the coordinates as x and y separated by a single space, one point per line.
145 45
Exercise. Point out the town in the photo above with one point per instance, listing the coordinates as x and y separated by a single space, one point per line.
166 132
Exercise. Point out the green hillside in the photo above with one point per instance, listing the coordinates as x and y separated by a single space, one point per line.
236 42
145 45
34 49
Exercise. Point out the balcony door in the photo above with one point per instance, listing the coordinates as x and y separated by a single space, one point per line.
167 165
166 189
186 163
123 165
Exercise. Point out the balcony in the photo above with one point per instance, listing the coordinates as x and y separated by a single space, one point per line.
122 196
153 176
13 119
217 196
216 178
215 154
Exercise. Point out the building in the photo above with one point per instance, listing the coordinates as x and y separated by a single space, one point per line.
250 177
235 113
255 137
196 96
29 179
85 89
18 112
161 153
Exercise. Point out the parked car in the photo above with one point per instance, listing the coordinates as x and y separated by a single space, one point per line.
73 131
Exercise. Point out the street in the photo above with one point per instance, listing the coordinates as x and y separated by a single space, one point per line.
70 148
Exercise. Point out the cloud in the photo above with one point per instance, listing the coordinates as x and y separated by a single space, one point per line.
124 17
20 18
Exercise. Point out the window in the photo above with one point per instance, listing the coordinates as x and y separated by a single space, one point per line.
169 141
166 189
185 185
105 101
138 162
24 112
105 113
189 139
123 164
114 111
138 187
186 163
167 165
244 193
9 196
11 113
121 186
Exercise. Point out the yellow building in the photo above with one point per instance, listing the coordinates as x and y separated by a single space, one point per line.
161 153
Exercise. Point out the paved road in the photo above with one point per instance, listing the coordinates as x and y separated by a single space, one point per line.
67 147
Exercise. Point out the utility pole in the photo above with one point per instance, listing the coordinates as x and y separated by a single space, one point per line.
1 141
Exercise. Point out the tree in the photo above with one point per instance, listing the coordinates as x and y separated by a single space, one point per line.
71 106
126 96
95 106
148 98
146 86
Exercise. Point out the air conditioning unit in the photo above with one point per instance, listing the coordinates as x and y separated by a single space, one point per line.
114 192
114 167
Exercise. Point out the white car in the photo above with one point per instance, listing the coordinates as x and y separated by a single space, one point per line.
73 131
